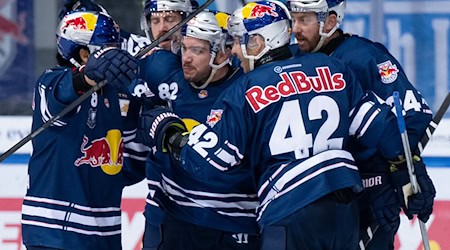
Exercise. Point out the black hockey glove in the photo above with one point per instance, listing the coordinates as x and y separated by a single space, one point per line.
384 200
116 66
420 203
156 126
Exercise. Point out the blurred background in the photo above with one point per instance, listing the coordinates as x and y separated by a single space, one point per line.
416 32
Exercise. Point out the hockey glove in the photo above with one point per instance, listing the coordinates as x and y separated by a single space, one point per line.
116 66
384 200
422 202
156 126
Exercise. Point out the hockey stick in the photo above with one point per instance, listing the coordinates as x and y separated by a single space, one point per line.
372 229
409 163
95 88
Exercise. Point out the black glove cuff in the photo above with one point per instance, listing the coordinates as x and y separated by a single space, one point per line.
176 142
79 83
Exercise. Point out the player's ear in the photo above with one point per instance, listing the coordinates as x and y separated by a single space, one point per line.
330 22
84 55
255 45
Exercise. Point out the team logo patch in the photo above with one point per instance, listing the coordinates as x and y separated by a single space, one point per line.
203 94
214 117
388 72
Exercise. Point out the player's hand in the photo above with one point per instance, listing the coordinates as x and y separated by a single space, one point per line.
114 65
422 202
156 126
384 201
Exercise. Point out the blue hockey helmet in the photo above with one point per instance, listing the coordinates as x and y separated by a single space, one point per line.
80 5
85 28
269 19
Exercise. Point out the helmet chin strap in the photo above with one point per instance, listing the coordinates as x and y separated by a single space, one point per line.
252 59
324 35
214 68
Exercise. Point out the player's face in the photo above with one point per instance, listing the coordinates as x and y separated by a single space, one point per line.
195 55
161 22
236 50
305 27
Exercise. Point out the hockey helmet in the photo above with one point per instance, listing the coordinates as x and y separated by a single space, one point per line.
184 7
211 27
269 19
85 28
323 8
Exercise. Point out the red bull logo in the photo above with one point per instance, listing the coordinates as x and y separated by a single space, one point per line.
214 117
254 10
295 83
388 72
79 21
106 152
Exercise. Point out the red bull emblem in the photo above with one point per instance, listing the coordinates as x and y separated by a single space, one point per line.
78 21
254 10
214 117
203 94
388 72
106 152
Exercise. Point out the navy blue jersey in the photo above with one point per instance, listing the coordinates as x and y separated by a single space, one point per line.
133 43
226 203
79 166
378 71
289 121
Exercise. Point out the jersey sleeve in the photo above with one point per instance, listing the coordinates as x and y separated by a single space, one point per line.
218 145
46 101
383 75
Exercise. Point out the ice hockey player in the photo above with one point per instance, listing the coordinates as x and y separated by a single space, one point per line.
81 163
315 25
197 215
291 121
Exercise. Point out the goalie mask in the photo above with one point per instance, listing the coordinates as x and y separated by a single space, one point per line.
84 28
322 8
209 26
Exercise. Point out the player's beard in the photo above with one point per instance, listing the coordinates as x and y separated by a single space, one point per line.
195 75
307 45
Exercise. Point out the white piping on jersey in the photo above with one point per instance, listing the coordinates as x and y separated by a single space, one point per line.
369 121
207 194
359 117
65 203
62 215
59 215
151 202
45 113
211 200
301 168
234 148
72 229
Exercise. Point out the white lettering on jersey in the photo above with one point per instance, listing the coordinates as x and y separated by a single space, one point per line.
296 82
